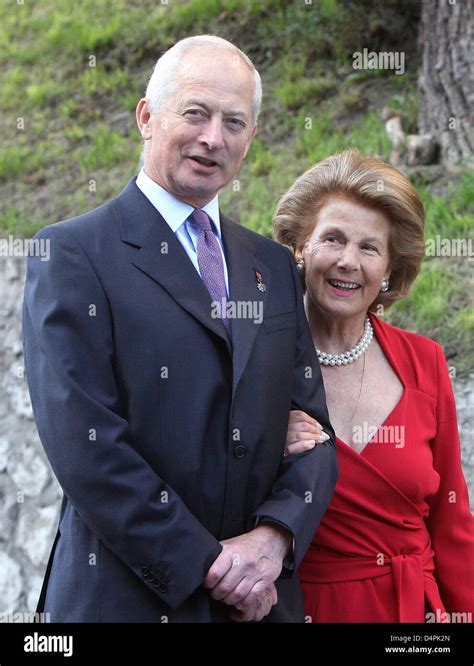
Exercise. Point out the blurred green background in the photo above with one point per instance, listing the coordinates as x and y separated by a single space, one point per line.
79 144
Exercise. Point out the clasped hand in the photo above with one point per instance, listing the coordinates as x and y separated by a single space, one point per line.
244 574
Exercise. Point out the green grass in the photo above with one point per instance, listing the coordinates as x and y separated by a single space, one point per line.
438 306
24 159
16 223
352 100
79 119
433 288
450 216
405 104
294 94
106 148
318 136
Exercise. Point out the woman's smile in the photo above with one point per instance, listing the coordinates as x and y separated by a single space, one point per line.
343 288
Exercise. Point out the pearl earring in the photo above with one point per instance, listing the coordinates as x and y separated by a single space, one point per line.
300 265
384 285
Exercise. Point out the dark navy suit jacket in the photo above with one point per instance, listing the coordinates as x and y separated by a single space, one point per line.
165 436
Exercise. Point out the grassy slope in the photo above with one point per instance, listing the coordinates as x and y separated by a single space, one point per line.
79 144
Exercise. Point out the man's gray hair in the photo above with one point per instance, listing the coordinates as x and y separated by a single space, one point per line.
163 81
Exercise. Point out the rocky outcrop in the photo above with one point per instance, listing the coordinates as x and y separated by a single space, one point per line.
30 495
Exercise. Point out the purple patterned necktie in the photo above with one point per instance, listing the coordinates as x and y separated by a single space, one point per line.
210 262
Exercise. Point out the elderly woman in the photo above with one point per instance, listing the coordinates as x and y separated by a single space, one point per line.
396 544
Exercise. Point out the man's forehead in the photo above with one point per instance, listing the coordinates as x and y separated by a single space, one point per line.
226 96
221 69
210 80
221 59
212 98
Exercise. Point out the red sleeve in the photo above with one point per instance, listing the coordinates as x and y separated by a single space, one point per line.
450 521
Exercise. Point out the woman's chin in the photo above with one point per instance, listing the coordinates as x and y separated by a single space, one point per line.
343 310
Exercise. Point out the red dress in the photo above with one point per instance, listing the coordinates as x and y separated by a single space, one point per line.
397 539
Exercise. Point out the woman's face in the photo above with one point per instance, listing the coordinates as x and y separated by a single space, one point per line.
346 257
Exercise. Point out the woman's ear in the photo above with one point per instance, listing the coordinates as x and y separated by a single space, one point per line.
299 253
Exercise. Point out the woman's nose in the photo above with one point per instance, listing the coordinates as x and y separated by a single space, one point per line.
349 257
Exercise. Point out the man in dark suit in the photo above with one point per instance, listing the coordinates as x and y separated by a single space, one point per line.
164 347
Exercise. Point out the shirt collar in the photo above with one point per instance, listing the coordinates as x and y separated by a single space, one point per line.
174 211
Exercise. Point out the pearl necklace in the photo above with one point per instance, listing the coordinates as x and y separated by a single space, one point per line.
351 355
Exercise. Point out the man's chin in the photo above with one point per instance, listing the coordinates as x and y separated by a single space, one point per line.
196 196
201 188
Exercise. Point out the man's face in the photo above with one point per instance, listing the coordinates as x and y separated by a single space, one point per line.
198 139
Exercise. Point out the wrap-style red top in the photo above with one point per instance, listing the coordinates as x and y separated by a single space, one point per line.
397 540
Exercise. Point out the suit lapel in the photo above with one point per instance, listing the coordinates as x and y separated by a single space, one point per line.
242 265
162 257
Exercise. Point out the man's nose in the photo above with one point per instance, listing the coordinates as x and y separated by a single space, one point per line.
349 257
212 135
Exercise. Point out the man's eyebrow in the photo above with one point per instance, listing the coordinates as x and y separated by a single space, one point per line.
194 100
200 102
242 114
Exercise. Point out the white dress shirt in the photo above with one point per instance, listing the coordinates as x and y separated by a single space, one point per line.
176 214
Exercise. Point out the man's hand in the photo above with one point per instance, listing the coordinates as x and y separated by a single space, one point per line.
244 573
247 613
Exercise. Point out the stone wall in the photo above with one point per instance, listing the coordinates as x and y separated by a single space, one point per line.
29 494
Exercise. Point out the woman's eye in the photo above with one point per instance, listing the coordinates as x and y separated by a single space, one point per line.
371 248
332 239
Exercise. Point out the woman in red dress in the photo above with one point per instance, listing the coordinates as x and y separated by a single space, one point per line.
396 543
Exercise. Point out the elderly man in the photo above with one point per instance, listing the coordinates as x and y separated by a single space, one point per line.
164 416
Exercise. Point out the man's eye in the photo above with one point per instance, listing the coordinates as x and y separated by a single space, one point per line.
195 113
371 248
235 122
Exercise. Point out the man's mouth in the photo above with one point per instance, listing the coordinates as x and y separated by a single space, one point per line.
204 161
343 284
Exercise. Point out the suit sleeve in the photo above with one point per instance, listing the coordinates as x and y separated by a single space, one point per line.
450 521
68 349
306 481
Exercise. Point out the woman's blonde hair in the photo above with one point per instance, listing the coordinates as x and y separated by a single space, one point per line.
369 182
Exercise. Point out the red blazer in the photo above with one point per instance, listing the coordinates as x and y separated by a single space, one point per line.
397 539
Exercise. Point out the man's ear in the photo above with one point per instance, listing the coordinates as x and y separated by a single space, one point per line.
143 116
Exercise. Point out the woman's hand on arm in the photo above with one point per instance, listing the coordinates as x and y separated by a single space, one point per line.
303 433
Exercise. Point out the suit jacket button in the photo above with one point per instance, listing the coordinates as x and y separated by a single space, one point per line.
163 587
145 572
240 451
